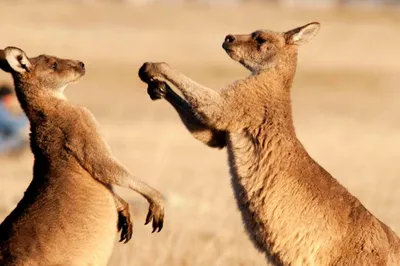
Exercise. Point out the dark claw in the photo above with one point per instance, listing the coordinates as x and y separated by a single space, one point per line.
125 226
160 225
126 234
155 214
153 93
155 225
157 89
149 217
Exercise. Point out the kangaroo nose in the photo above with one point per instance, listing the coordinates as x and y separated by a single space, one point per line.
82 65
230 38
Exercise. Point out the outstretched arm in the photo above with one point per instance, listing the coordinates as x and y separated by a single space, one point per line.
223 111
211 137
98 161
107 170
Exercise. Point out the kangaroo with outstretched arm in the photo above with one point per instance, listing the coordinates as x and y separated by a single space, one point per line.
293 209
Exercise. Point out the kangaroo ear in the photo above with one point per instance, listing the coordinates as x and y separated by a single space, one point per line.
303 34
3 62
16 59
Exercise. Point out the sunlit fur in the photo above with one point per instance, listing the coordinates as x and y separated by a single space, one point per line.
293 210
69 215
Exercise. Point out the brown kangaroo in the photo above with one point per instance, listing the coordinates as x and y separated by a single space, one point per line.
67 215
294 211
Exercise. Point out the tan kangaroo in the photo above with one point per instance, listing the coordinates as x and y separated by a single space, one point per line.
294 211
67 215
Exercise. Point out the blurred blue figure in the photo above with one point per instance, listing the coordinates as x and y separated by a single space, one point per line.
12 127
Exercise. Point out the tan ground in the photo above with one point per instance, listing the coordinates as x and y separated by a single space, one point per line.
344 97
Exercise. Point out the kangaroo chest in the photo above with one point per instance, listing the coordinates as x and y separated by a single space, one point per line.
273 206
250 184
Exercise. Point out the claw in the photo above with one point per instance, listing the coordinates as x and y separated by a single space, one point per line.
154 225
156 89
156 215
125 226
149 217
123 235
160 226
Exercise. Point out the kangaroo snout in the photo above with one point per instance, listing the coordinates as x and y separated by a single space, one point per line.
79 67
229 40
82 65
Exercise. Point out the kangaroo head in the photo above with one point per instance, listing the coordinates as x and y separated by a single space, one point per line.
44 72
264 49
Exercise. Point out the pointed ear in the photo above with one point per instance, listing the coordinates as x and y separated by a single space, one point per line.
3 62
17 60
302 35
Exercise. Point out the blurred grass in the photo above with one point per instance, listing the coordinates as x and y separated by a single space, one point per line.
345 100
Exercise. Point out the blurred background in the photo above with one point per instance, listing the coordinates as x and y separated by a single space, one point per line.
345 100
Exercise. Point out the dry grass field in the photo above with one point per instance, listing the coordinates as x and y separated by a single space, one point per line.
346 105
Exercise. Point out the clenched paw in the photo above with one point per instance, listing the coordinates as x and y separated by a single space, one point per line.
156 214
125 224
150 71
157 89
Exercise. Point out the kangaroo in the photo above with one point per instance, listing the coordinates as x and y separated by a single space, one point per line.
294 211
69 215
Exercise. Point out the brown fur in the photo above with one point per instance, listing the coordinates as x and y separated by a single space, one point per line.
68 213
293 209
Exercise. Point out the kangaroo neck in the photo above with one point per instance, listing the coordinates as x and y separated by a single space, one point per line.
34 101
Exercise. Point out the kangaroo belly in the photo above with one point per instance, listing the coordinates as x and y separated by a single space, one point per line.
93 226
72 221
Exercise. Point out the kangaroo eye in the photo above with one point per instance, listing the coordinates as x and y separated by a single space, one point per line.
54 66
260 40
